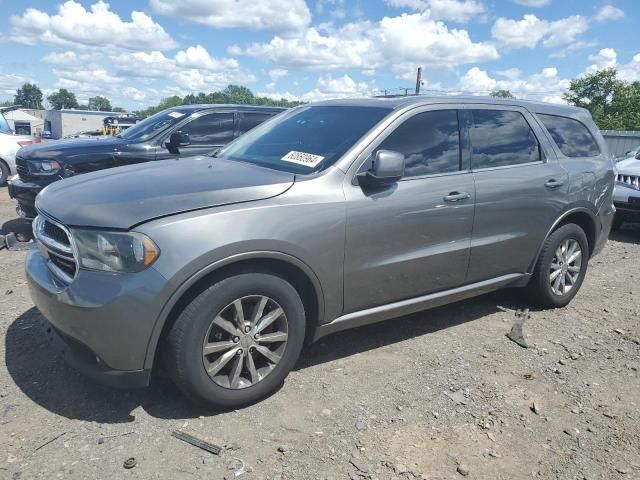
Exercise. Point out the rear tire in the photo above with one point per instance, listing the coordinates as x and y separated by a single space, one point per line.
4 173
195 333
561 267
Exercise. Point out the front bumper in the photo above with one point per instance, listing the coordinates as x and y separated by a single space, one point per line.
100 322
25 194
627 202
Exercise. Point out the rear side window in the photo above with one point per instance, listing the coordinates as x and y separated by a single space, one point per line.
250 120
430 141
572 137
213 129
500 138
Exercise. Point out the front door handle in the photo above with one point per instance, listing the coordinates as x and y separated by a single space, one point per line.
457 196
553 183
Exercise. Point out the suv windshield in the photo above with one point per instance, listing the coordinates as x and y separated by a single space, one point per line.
154 124
306 139
4 126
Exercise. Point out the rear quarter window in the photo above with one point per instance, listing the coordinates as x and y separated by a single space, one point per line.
572 137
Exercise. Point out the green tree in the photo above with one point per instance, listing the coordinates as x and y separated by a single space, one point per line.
118 109
102 104
502 94
63 98
614 104
29 96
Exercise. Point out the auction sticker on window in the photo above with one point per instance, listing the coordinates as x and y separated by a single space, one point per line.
176 114
302 158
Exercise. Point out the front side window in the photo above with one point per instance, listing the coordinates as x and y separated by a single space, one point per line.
306 139
213 129
571 136
501 138
252 119
430 142
153 125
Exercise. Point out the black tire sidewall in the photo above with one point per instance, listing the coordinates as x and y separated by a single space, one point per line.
186 337
4 173
543 285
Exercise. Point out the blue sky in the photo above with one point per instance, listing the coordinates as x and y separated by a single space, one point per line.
137 52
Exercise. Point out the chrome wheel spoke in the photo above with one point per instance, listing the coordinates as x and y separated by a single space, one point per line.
574 257
215 347
268 319
236 371
226 325
273 337
554 274
271 356
258 310
221 361
565 267
239 313
251 366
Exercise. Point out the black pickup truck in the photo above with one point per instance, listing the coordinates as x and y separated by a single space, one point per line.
176 132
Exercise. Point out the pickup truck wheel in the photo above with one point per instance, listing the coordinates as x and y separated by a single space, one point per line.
235 342
561 267
4 173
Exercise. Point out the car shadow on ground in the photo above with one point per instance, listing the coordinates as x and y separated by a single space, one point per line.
16 225
628 233
46 380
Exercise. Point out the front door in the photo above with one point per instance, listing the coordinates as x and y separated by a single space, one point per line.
413 237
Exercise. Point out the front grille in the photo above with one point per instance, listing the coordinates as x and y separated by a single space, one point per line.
23 169
632 181
58 234
56 241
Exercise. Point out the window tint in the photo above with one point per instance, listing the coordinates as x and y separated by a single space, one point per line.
430 142
500 138
571 136
212 129
250 120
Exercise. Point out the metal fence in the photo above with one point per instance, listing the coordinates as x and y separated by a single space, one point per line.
620 142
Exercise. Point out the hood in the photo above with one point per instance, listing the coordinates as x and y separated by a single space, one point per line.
61 149
120 198
630 166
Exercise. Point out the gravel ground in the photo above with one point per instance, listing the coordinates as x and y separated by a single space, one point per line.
440 395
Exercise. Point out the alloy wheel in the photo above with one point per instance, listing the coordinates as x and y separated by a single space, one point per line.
245 341
565 267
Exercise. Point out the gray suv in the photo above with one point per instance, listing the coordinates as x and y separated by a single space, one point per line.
326 217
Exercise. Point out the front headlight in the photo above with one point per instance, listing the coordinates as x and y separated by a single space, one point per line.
114 251
43 167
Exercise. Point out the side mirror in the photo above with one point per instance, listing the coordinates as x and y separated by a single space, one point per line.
387 168
178 139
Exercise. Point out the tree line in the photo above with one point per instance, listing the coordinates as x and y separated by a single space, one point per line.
613 103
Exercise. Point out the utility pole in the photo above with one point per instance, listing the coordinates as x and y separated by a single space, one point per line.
418 80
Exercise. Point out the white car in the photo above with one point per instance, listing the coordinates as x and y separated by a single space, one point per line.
627 192
9 145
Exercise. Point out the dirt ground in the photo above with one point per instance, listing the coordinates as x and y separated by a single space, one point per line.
437 395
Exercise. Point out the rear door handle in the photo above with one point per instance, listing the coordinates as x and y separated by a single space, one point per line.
457 196
553 183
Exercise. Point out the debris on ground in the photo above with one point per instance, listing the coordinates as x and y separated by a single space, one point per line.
196 442
516 334
12 243
535 408
129 463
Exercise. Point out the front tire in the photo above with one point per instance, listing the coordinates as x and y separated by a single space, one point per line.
561 267
4 173
235 342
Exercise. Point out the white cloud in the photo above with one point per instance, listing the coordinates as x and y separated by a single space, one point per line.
529 31
328 87
279 96
277 73
365 45
10 82
454 10
134 94
195 80
75 27
608 58
546 85
198 57
533 3
607 13
272 15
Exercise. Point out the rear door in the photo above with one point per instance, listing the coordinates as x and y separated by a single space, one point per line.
411 238
521 189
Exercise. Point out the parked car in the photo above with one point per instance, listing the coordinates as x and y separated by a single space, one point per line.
330 216
627 192
10 143
177 132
